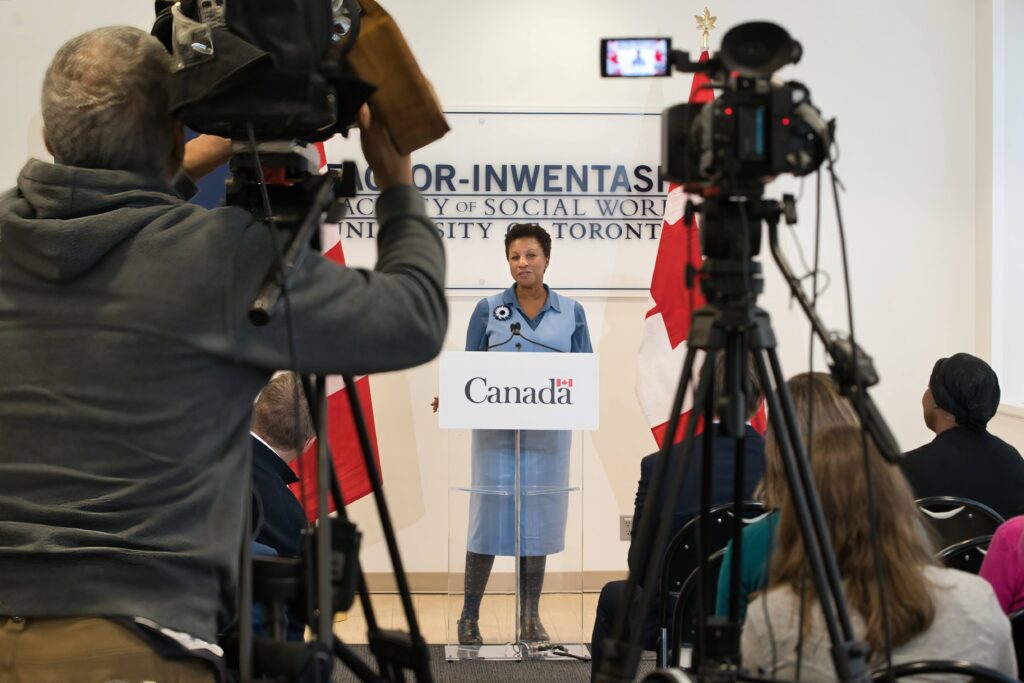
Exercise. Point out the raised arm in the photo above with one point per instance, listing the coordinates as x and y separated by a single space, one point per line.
350 320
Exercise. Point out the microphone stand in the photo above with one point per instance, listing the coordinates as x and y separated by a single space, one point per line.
516 329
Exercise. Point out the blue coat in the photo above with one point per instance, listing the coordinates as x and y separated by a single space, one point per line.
544 455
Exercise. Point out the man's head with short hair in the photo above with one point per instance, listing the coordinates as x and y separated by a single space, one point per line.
281 416
106 103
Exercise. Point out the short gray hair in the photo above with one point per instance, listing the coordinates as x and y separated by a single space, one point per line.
106 101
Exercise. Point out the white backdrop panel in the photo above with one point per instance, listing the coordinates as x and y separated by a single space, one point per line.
590 178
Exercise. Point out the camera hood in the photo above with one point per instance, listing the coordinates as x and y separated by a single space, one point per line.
758 49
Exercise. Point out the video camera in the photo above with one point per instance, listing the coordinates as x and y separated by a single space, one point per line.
756 129
278 65
272 75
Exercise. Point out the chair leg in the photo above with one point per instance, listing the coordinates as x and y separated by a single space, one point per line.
662 648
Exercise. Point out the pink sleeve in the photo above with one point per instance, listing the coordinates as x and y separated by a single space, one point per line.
1002 566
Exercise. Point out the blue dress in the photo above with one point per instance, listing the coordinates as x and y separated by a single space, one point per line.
544 455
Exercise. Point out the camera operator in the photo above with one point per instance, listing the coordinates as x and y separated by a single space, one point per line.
128 369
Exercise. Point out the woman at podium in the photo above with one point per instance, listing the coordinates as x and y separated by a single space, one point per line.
527 317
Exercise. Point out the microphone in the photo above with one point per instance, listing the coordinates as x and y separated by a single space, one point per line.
514 328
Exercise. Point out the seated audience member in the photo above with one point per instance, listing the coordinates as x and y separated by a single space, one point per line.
818 406
963 459
281 430
933 612
686 507
1003 566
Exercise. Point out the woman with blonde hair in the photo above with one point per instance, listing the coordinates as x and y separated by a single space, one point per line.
932 612
818 406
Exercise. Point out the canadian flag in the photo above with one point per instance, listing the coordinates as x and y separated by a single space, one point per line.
341 428
667 323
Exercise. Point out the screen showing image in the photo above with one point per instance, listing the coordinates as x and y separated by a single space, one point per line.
636 57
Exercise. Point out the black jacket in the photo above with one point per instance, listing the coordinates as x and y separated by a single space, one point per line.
688 501
975 465
282 516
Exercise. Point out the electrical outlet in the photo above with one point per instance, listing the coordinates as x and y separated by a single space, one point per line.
625 527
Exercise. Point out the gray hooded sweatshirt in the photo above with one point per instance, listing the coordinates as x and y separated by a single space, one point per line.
128 371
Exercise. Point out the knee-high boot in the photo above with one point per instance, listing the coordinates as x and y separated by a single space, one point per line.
531 583
478 571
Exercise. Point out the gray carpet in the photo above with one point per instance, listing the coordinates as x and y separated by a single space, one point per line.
569 671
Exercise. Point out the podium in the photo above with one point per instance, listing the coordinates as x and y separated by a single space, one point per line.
515 485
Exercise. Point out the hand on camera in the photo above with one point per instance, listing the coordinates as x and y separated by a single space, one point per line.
389 166
205 153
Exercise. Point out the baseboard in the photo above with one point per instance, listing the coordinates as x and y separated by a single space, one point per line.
500 582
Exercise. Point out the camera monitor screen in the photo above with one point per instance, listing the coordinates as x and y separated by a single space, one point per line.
635 57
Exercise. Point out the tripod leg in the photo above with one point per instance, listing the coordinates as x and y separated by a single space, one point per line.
703 538
810 492
620 654
383 513
848 654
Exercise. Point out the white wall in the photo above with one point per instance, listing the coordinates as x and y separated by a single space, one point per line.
898 88
1006 21
999 170
899 77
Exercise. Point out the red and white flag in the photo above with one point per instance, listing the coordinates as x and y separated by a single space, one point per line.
667 324
341 428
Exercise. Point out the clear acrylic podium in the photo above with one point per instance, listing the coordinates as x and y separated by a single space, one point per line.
527 481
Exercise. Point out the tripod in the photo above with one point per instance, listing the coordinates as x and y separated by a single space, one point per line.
733 325
329 575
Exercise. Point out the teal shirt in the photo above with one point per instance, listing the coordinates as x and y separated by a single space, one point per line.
757 543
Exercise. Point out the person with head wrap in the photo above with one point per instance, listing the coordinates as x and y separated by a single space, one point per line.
964 459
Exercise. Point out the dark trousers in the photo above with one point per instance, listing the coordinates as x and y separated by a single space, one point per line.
612 596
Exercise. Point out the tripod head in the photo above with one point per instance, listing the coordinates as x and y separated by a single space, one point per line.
730 277
279 184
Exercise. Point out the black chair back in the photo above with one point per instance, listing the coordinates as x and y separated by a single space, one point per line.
685 614
958 668
958 519
966 556
680 559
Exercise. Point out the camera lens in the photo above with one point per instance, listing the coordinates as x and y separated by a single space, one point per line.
758 49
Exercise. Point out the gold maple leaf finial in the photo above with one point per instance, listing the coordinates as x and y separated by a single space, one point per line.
705 23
